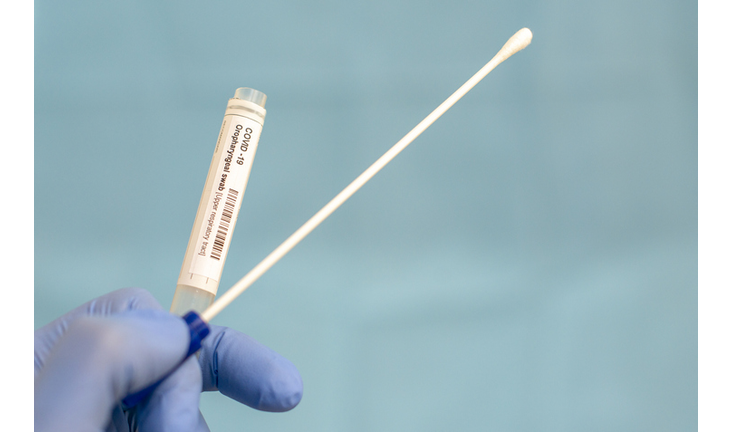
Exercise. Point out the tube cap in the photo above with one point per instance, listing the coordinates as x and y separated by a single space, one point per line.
252 95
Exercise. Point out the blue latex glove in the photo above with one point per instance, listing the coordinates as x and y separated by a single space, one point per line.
88 360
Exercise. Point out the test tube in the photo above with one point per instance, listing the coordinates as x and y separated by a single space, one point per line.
220 201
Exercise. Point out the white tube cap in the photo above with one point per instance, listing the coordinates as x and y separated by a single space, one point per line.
252 95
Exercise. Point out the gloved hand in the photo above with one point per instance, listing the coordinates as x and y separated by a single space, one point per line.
88 360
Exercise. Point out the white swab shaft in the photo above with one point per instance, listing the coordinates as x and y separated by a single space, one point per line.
516 43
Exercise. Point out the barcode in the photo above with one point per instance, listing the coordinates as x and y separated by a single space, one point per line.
226 220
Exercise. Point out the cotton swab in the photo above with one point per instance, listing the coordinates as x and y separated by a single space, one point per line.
519 41
197 324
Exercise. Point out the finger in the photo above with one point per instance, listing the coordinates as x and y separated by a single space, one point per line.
122 422
117 301
99 361
174 404
249 372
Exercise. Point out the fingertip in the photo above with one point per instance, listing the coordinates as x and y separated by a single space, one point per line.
284 389
249 372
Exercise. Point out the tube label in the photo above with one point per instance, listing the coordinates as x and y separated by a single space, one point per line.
235 151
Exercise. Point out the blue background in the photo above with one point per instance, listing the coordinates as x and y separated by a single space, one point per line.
529 263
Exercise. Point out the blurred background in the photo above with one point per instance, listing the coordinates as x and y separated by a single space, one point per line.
529 263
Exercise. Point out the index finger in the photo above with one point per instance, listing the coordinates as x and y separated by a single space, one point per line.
249 372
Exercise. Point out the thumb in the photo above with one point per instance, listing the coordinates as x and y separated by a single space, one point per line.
99 361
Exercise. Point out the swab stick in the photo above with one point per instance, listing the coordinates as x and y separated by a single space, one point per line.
519 41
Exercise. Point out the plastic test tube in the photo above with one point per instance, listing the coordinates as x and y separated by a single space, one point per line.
220 202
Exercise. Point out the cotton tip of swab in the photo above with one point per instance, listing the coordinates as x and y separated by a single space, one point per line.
516 43
525 36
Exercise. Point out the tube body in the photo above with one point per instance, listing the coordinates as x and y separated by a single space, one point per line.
220 202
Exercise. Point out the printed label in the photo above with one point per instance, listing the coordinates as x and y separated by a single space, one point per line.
235 150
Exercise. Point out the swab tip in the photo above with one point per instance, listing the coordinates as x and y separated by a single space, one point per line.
518 41
526 35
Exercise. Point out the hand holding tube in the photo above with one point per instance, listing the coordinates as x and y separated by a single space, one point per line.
89 359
